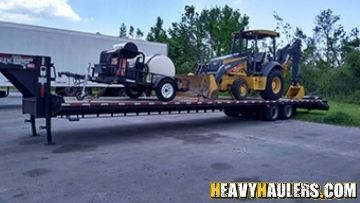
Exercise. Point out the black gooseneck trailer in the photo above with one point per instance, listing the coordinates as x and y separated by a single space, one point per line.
32 76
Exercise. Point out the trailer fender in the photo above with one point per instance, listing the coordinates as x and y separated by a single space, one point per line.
157 81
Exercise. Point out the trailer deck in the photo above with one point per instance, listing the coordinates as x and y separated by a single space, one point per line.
32 76
151 105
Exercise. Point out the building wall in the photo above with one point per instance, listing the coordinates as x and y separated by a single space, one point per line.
69 50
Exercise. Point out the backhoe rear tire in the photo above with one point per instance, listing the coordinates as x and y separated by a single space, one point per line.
274 89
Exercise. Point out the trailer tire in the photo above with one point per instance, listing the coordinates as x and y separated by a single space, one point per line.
70 91
231 113
134 91
166 89
274 86
148 92
113 92
79 97
286 111
271 113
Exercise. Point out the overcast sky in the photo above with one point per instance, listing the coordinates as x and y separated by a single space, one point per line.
105 16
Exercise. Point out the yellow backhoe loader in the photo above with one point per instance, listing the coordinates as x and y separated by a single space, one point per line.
253 65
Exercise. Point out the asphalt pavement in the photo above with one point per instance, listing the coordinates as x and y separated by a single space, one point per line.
12 101
168 158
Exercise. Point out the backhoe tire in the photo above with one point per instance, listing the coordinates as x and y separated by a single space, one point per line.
166 89
286 111
134 92
274 89
239 89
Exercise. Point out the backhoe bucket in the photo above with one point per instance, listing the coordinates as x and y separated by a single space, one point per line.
295 92
200 86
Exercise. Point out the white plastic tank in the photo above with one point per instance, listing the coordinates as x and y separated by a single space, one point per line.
160 64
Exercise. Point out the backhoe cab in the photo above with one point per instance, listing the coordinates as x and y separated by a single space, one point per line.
252 65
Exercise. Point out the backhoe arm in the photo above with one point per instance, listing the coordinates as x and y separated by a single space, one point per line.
290 57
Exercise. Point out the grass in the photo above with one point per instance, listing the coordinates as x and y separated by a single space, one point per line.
340 113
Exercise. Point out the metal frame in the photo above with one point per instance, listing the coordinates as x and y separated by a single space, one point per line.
148 79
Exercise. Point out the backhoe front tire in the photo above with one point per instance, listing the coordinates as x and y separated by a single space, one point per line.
239 89
274 89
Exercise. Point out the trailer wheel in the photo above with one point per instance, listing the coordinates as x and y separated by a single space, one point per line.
148 92
286 111
274 86
239 89
133 92
80 97
166 89
231 113
112 91
271 113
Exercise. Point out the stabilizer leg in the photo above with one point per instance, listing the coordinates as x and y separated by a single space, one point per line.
33 126
48 131
32 122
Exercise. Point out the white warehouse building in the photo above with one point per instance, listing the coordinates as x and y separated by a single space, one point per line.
70 50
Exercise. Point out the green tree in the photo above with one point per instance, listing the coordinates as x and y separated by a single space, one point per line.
329 33
286 30
215 25
139 34
131 31
157 32
123 30
183 46
220 23
328 47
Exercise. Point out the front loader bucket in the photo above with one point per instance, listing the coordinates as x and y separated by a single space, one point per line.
295 92
200 86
